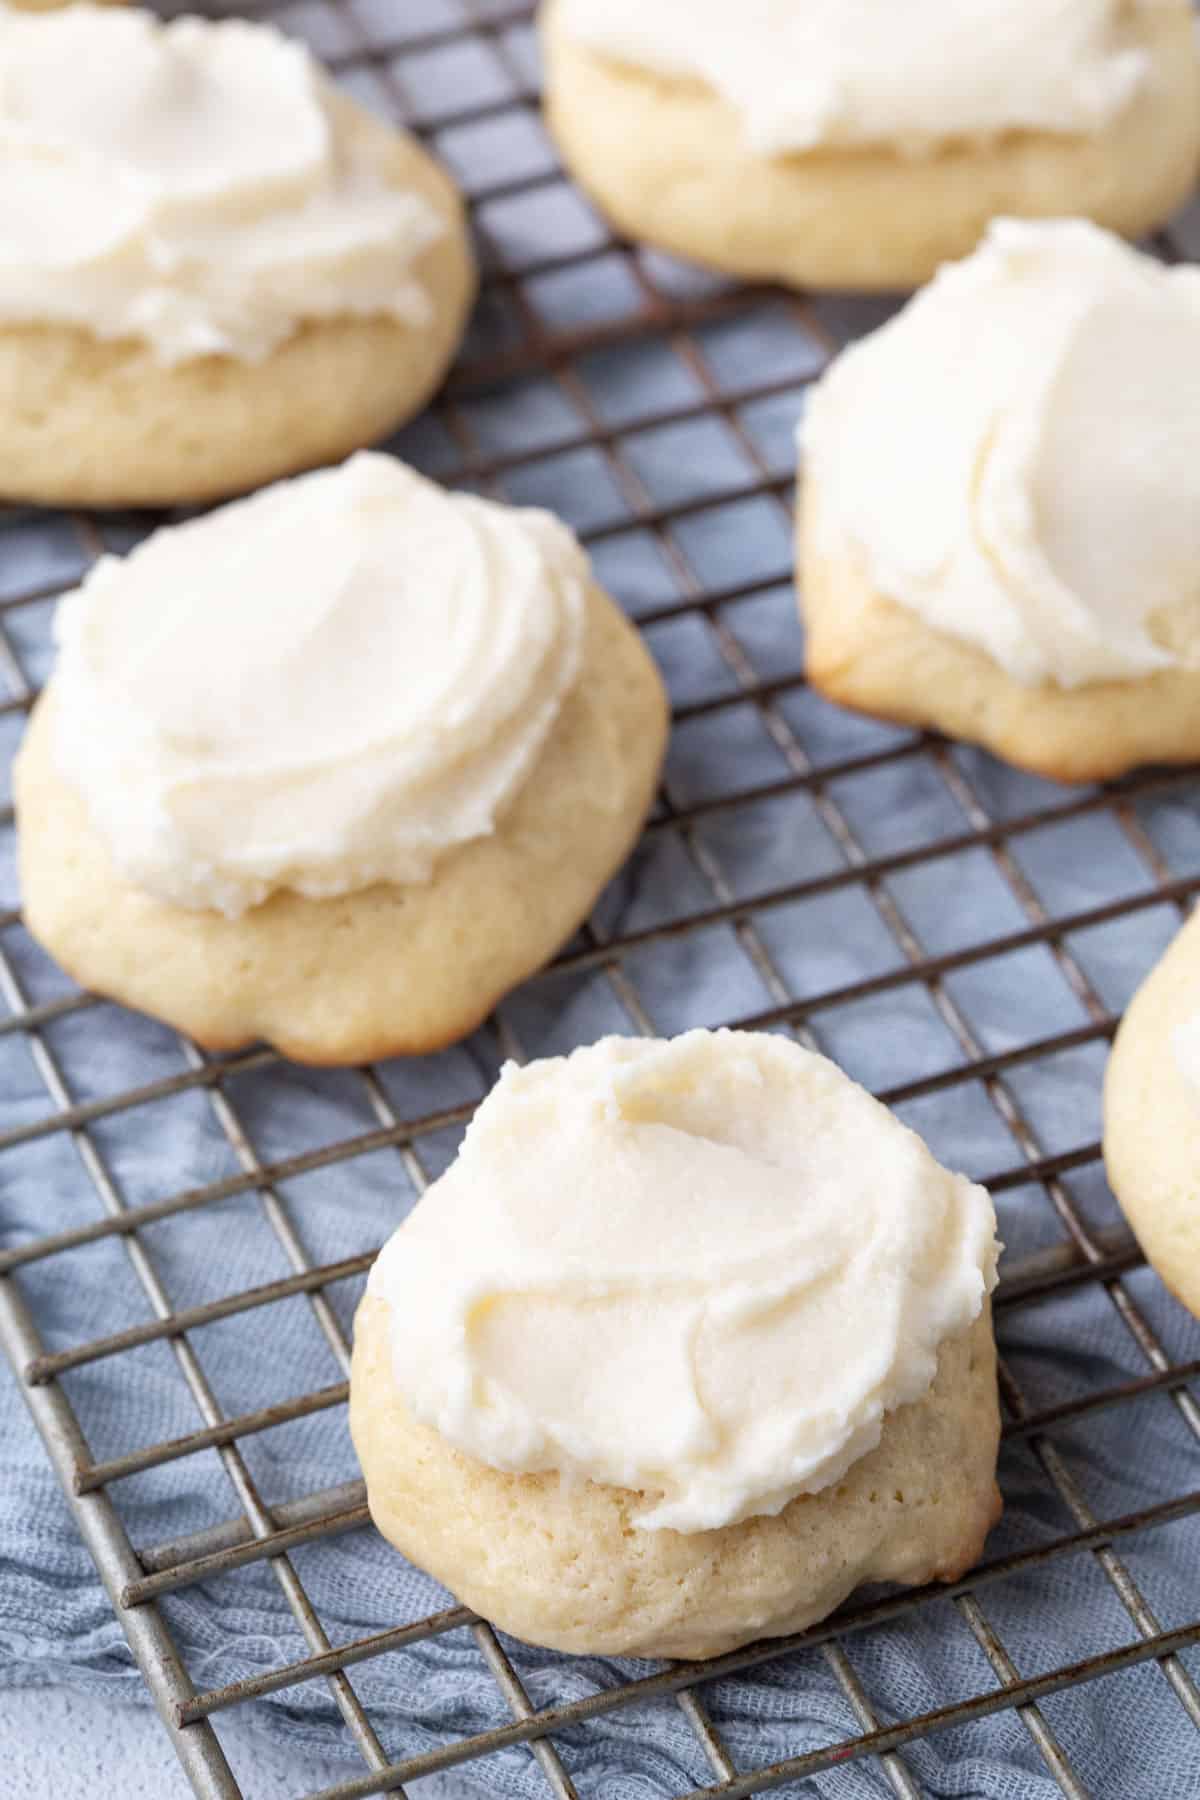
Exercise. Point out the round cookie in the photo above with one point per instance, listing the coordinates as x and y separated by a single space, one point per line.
85 422
1152 1119
998 528
387 970
564 1565
667 161
869 653
690 1340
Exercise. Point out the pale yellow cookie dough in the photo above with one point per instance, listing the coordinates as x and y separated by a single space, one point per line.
388 970
871 653
1152 1119
565 1566
84 422
666 160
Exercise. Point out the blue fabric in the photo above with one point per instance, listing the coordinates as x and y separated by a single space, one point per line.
1126 1736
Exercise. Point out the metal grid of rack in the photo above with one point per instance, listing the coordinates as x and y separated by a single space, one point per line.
656 407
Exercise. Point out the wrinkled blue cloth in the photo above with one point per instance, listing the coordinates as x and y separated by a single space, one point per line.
1125 1736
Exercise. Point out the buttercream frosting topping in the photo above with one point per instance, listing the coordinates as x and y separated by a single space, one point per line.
332 683
189 185
702 1269
1016 456
806 74
1185 1048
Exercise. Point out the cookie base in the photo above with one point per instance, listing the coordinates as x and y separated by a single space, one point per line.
387 971
666 160
1152 1120
875 656
565 1566
85 422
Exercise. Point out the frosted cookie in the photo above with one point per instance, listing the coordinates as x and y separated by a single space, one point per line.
858 143
692 1339
1152 1116
214 268
334 766
1001 507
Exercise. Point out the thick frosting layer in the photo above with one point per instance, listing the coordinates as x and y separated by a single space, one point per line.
804 74
1016 456
330 684
702 1269
188 185
1185 1048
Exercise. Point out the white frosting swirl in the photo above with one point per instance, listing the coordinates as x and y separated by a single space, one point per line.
703 1270
188 185
804 74
1016 456
1185 1049
327 685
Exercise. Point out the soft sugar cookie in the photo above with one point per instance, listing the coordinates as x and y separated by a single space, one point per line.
691 1340
334 766
857 143
1000 510
227 271
1152 1116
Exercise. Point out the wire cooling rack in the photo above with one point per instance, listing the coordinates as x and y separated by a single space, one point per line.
960 936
